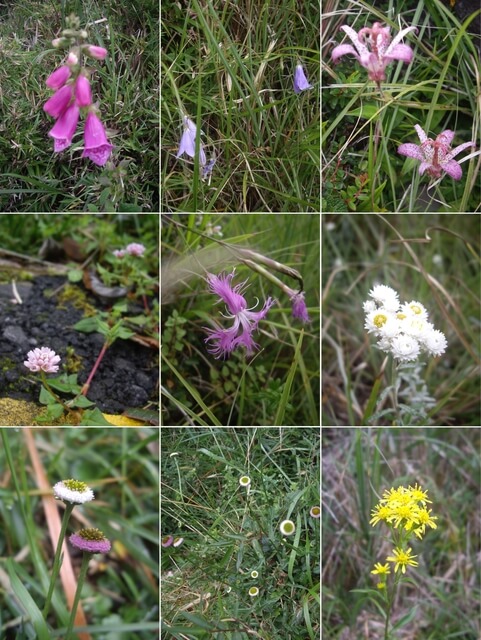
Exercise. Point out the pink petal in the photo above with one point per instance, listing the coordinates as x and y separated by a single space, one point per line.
453 168
411 150
447 136
362 49
459 148
421 135
398 38
400 52
342 50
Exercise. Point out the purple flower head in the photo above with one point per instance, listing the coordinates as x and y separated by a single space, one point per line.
63 130
83 92
90 540
436 156
245 320
299 309
187 142
97 147
135 249
374 49
59 77
300 81
43 359
119 253
167 541
58 103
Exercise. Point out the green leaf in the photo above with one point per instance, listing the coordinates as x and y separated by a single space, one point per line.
87 325
94 418
46 397
27 603
82 402
75 275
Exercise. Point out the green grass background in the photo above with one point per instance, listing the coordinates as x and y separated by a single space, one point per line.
228 533
432 258
32 177
229 67
197 388
357 466
438 90
121 466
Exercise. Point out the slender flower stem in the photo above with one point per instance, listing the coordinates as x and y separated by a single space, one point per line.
56 563
394 391
52 392
86 386
78 593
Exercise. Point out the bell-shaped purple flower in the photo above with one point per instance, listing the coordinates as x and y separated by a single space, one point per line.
187 142
299 309
97 146
59 77
300 81
63 130
59 102
83 92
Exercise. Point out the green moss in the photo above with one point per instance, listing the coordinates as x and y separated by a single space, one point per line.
7 275
73 363
70 294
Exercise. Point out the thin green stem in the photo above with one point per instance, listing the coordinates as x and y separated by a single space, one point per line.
394 391
56 562
78 593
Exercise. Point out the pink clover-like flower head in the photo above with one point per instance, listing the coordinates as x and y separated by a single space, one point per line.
42 359
135 249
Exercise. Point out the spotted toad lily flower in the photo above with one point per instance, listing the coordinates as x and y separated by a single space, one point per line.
245 320
374 49
436 156
187 142
300 81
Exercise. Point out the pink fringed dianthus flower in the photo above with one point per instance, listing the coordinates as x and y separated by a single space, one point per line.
245 321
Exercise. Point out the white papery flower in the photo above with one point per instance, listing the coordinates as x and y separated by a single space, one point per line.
435 342
376 320
414 308
415 327
385 297
368 306
73 491
405 348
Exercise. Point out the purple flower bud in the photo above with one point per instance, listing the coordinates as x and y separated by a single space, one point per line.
99 53
299 309
83 92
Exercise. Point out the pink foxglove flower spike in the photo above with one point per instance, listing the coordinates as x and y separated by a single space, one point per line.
436 156
374 49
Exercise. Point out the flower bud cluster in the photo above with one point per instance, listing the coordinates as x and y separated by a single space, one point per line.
72 93
402 329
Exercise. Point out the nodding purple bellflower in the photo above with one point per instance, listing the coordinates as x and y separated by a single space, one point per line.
300 81
436 156
187 142
299 309
224 341
374 49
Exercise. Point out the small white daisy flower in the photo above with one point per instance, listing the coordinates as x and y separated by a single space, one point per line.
435 342
244 481
253 591
315 512
385 297
376 320
415 308
405 348
73 491
254 574
287 527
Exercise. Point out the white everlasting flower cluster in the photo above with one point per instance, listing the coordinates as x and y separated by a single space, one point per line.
402 329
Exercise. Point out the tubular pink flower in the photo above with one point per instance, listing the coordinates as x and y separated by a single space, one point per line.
58 103
435 156
374 49
300 81
97 147
99 53
135 249
63 130
91 541
245 320
58 78
43 359
83 92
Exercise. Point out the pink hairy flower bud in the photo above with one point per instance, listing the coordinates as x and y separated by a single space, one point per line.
59 77
59 102
99 53
83 92
72 59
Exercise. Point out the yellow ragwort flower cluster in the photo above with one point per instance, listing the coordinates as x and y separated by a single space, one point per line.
406 508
